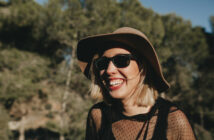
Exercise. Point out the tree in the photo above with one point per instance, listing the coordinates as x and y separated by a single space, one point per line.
204 85
103 16
212 23
4 118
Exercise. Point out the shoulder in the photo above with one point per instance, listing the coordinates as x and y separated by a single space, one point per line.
178 123
98 108
178 118
99 105
166 105
96 113
173 110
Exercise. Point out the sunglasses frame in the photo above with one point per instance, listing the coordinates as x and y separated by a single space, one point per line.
112 59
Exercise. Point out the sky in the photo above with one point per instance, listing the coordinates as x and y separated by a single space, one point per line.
197 11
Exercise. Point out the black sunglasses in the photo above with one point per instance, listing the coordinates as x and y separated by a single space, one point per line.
120 61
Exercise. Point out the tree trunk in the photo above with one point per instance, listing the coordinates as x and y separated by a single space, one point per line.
61 137
22 129
202 117
65 95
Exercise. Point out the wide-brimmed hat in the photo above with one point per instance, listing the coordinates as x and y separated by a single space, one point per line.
136 40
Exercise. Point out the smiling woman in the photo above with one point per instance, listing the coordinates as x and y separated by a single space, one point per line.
120 80
126 74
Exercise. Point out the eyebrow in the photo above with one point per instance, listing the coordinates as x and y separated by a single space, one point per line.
116 54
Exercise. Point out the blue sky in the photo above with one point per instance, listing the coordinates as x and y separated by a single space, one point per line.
197 11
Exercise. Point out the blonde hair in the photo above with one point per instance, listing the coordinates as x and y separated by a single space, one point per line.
146 93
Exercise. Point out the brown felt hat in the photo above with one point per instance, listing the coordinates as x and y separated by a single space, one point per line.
136 40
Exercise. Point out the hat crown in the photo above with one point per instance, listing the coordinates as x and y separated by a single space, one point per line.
130 30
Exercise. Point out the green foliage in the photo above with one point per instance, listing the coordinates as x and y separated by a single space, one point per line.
3 3
31 27
102 16
202 133
4 118
77 110
17 26
52 126
212 23
21 73
79 80
185 47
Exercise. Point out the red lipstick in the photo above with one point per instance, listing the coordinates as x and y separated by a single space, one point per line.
115 87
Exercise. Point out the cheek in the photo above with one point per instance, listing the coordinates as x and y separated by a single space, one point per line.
131 71
134 68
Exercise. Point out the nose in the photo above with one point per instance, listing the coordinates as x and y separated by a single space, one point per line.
111 69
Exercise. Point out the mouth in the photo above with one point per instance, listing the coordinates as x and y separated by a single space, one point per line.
114 83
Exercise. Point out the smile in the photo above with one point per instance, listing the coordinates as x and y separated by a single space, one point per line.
115 84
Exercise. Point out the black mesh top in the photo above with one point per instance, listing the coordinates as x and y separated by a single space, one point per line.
163 121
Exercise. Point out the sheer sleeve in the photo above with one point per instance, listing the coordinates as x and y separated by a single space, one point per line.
93 124
179 127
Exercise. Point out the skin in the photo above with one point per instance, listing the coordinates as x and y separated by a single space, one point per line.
122 82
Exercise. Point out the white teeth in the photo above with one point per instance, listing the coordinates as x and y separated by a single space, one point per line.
115 82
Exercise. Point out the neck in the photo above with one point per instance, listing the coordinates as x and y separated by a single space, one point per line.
131 109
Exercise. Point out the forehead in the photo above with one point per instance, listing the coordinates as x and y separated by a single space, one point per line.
114 51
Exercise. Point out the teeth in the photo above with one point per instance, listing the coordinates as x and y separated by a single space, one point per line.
115 82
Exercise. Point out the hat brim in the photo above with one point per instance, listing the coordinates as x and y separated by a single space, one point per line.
89 46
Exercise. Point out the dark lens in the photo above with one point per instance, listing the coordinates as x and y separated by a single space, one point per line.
102 63
121 61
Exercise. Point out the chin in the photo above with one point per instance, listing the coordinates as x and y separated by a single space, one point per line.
117 94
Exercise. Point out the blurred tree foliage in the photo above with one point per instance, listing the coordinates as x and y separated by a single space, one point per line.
4 118
212 23
37 43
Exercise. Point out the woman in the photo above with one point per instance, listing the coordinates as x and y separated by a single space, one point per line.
126 74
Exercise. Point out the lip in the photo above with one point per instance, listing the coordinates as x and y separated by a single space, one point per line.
115 87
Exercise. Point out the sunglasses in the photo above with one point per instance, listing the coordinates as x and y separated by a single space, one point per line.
120 61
